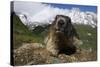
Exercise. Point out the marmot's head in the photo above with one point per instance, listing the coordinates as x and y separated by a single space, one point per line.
63 24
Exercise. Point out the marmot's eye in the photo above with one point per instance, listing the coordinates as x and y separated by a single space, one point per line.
61 22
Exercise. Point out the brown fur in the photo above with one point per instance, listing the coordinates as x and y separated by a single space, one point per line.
64 40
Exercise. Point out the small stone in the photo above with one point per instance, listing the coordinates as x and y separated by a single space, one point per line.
89 34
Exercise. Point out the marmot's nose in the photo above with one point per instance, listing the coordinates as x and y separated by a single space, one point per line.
60 22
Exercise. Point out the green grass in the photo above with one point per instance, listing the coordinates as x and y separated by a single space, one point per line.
88 41
21 33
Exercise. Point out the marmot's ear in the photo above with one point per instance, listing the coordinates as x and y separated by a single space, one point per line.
56 17
69 20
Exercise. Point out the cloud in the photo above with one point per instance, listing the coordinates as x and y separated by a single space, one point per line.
44 13
30 8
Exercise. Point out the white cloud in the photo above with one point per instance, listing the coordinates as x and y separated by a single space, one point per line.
45 13
28 7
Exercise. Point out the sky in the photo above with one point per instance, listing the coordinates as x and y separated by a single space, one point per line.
35 7
70 6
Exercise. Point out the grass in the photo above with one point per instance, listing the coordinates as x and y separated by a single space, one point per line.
21 33
88 35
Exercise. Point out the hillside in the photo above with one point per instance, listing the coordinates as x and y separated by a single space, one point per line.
21 33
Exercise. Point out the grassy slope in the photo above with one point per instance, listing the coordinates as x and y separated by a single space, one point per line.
88 41
20 32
